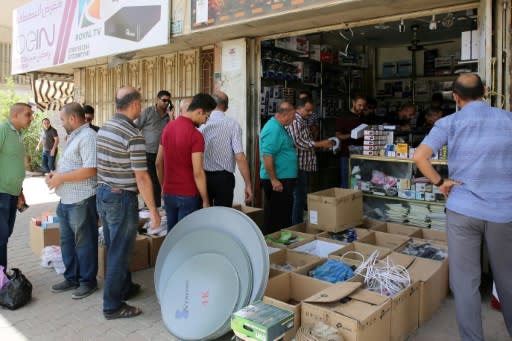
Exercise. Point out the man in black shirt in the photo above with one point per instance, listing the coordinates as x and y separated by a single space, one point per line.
89 117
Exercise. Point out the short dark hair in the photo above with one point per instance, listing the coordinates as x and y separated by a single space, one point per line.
163 93
74 109
433 111
437 97
202 101
301 102
469 90
281 110
45 119
126 100
358 97
88 109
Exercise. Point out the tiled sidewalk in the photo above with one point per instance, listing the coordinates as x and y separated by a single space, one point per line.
58 317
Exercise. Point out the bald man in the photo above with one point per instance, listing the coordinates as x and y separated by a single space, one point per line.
12 159
223 150
479 198
122 173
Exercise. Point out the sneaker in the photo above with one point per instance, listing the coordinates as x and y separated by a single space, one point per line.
83 292
65 285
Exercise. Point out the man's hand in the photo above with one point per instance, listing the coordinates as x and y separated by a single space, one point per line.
447 185
248 195
155 218
277 185
21 201
206 204
53 180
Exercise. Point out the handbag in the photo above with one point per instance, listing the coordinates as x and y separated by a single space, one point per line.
17 292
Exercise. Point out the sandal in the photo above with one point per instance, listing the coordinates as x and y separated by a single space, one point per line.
125 311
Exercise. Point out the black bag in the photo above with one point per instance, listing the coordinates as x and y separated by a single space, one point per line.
17 292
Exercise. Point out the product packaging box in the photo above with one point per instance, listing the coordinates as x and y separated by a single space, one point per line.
288 239
260 321
395 228
304 228
358 315
319 248
295 260
154 244
335 209
42 237
140 256
256 214
387 240
287 291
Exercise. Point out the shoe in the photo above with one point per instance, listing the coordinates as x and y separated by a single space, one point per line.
65 285
83 292
125 311
134 291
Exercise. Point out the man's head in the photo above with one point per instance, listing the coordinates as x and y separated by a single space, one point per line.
46 123
432 115
305 107
184 105
304 94
129 102
200 108
20 115
89 113
285 113
358 105
163 98
437 100
467 87
221 99
72 116
407 112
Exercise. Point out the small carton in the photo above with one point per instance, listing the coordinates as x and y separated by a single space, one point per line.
139 259
335 209
287 292
357 314
288 239
42 237
319 248
399 229
387 240
262 322
154 242
288 257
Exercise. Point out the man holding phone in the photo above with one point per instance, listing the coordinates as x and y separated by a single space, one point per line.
151 123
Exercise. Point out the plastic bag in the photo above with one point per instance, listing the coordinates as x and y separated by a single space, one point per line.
17 292
3 277
51 257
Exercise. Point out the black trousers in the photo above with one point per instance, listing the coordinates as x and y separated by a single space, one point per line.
278 206
220 186
157 190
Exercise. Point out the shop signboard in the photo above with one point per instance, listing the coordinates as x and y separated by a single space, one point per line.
207 13
54 32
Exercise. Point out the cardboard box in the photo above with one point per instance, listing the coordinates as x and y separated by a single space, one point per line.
436 236
42 237
304 228
297 238
295 259
331 236
470 45
287 292
350 251
261 321
335 209
364 316
256 214
139 260
399 229
154 244
433 278
387 240
319 248
371 224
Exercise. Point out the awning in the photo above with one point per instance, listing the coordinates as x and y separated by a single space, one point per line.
51 94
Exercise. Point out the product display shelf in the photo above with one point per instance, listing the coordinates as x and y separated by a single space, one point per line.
393 159
439 203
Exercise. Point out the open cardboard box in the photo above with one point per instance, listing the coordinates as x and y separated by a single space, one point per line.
318 247
42 237
139 259
329 236
304 228
256 214
351 262
287 291
301 238
295 259
352 251
371 224
387 240
394 228
335 209
358 315
435 236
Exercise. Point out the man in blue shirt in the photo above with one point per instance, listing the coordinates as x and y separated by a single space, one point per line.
278 169
479 198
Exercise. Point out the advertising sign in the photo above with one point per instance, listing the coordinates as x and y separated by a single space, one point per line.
54 32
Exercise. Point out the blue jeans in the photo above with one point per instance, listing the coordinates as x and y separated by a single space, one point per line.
79 241
47 162
8 205
177 207
344 172
299 197
118 211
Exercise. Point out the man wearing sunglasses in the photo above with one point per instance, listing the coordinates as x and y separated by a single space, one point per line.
151 123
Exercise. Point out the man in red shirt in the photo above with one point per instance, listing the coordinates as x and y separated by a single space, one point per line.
179 161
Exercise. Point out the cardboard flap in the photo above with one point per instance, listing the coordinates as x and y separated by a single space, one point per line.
369 297
334 293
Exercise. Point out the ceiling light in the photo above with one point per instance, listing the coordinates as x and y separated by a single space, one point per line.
448 20
381 27
401 26
433 24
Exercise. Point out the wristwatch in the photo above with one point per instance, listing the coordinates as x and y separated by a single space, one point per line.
440 182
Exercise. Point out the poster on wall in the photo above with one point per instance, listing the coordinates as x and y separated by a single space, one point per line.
54 32
207 13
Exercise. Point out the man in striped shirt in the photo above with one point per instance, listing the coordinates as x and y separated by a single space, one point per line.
75 184
223 147
122 172
305 145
